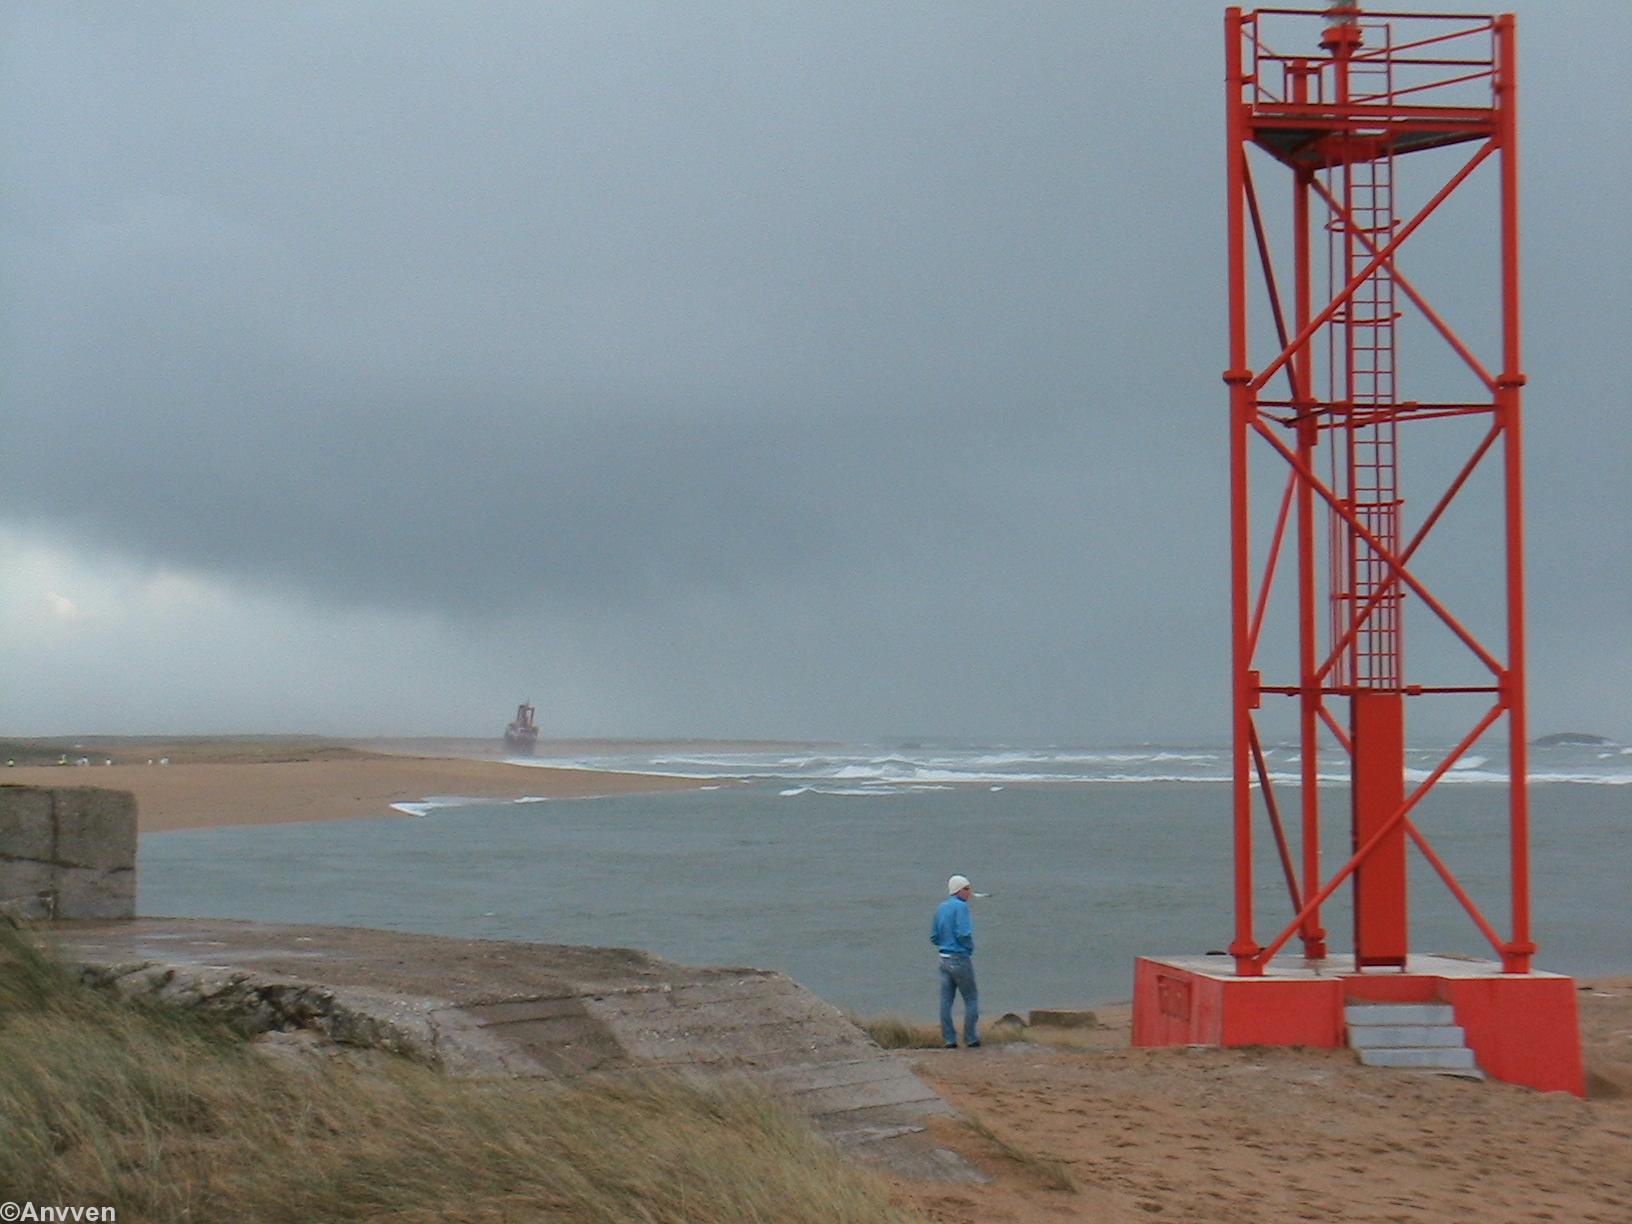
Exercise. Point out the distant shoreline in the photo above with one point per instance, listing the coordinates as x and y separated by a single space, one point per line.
251 780
186 782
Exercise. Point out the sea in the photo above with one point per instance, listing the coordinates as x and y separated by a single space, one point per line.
825 862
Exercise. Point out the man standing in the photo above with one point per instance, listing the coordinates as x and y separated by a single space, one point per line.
954 936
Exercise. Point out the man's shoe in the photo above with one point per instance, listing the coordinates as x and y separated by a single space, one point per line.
951 1045
973 1045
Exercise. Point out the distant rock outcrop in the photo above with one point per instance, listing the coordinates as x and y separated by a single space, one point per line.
1572 739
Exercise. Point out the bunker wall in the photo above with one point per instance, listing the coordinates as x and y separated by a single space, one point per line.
67 852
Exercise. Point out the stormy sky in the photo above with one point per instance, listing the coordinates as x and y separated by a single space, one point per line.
799 370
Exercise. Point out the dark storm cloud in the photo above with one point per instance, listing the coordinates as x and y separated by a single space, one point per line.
458 307
904 319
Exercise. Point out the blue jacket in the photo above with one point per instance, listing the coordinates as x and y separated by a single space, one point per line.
954 930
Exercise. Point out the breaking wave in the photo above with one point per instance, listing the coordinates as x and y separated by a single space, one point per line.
869 770
439 802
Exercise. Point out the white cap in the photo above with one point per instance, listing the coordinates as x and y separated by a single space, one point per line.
956 884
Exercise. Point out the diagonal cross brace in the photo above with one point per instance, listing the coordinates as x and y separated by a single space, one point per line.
1387 827
1421 303
1308 330
1392 580
1389 560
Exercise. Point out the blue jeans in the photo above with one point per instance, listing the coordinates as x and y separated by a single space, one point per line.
958 974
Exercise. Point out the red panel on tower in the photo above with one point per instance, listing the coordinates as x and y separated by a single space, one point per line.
1380 936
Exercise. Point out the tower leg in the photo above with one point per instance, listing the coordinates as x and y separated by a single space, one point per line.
1378 727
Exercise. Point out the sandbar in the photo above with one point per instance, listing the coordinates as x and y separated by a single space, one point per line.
253 782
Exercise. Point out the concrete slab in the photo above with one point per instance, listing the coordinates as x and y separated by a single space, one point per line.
490 1008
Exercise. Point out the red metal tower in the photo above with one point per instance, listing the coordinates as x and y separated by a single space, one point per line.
1388 85
1337 98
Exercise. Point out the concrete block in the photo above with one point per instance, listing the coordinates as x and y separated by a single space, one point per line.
25 822
1053 1018
27 888
95 827
85 892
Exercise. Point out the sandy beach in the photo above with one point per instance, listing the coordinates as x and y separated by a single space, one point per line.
1185 1135
1207 1136
269 781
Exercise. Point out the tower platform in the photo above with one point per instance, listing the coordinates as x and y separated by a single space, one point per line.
1522 1028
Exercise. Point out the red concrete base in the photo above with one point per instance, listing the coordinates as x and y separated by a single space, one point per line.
1521 1027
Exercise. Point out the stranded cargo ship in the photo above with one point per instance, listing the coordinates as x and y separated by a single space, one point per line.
522 734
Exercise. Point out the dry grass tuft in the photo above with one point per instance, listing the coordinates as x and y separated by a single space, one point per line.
168 1118
895 1033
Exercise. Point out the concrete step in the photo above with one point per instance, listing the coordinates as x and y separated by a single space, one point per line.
1413 1036
1383 1036
1398 1013
1437 1058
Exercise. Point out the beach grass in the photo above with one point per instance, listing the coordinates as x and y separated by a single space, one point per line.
167 1117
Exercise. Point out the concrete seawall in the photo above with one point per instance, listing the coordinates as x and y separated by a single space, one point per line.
489 1008
469 1007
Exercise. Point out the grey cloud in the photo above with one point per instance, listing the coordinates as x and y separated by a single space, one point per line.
882 340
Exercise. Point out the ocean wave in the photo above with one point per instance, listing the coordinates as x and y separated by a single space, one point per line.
960 777
1457 775
1584 779
1110 756
741 761
860 792
435 803
432 803
889 772
595 765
